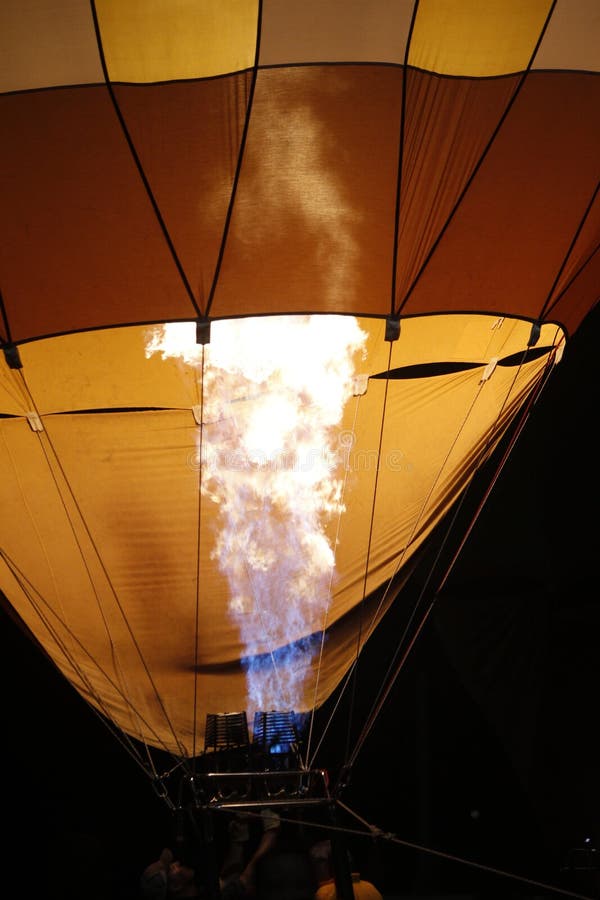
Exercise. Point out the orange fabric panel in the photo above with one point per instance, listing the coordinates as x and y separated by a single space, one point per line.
455 118
313 221
79 233
314 215
573 304
513 229
188 138
581 272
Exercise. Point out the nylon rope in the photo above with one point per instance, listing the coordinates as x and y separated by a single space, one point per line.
352 672
98 556
366 728
395 667
329 597
29 591
352 681
374 831
514 437
198 553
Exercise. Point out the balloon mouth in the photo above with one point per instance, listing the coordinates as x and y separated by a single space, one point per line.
298 647
301 648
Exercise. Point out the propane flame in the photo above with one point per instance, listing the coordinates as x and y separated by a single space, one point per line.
274 392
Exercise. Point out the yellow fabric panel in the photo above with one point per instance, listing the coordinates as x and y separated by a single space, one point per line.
572 39
434 429
108 543
108 369
97 370
475 38
463 338
45 44
334 31
163 40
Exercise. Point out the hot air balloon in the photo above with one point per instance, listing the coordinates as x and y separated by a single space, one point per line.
277 279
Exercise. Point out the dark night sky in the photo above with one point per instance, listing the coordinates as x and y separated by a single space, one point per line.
487 746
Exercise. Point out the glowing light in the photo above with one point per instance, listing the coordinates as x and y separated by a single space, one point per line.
274 392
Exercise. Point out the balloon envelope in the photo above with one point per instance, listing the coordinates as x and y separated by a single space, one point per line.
434 165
